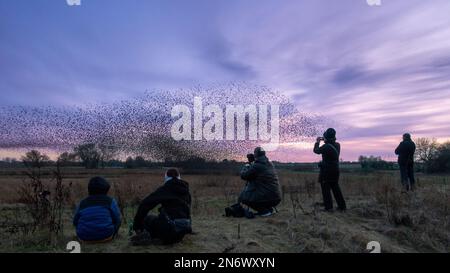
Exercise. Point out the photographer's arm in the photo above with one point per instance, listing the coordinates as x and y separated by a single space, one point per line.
317 149
248 173
398 150
146 205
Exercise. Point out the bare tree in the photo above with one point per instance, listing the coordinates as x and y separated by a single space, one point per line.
106 153
66 158
35 159
88 154
426 149
426 152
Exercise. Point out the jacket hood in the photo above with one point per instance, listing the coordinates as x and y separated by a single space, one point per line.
262 159
98 185
178 185
259 151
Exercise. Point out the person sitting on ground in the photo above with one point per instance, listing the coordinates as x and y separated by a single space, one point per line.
262 192
405 152
174 219
97 218
329 170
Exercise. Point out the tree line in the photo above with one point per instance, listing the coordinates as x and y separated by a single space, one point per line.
93 156
431 157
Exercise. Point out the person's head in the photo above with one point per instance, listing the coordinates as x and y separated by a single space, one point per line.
406 136
172 173
251 158
98 186
329 135
259 151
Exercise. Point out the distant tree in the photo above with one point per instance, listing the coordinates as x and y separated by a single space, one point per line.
116 163
88 154
66 158
140 162
35 159
426 151
106 153
435 157
195 162
168 160
441 161
129 163
10 162
374 163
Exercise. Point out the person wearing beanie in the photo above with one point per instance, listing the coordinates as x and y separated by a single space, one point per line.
329 170
405 152
97 217
174 219
262 192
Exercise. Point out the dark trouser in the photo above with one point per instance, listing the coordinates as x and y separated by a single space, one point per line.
407 175
160 228
262 206
327 188
329 182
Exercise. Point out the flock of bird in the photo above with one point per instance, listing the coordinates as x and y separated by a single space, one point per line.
141 125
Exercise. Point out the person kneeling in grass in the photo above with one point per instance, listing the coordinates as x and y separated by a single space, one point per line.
262 191
97 218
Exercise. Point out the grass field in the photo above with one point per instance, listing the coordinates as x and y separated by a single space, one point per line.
414 222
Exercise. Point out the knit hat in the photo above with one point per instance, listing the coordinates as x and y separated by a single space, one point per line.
259 152
330 134
98 185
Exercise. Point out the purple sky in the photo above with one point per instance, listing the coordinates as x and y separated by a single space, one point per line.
379 71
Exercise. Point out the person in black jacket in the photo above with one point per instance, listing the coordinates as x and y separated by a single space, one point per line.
174 219
329 170
405 152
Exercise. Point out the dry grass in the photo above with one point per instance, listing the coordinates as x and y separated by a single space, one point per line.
417 222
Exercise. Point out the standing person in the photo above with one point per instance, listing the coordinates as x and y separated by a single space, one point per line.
174 219
405 152
97 218
329 169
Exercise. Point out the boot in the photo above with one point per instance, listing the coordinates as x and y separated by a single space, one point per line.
141 239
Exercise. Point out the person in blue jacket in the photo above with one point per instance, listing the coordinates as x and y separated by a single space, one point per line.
97 217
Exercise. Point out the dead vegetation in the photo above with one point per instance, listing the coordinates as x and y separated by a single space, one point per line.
415 222
43 204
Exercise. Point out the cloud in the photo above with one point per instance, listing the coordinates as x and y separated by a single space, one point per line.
377 71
